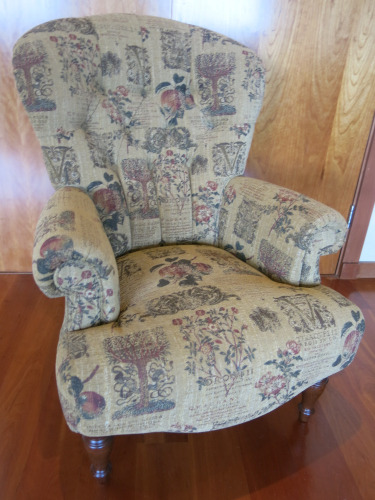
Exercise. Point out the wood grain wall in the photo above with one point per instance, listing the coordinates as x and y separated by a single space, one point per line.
312 131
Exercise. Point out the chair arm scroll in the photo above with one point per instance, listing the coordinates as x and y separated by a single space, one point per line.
281 232
73 257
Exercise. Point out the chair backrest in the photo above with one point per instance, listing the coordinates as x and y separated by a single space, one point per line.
151 117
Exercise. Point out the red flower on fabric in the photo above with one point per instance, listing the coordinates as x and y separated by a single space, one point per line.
212 185
293 346
202 214
177 321
86 274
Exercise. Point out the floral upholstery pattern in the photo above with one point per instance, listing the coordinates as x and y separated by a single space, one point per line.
185 304
203 341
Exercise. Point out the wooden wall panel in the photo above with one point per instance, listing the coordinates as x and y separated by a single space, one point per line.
313 128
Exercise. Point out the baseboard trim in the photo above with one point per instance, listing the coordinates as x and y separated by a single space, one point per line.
355 270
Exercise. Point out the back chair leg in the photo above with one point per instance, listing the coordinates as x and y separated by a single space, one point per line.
309 398
99 450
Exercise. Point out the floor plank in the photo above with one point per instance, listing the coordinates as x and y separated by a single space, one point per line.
273 457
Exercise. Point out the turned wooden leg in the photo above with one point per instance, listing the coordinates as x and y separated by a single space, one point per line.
309 398
99 449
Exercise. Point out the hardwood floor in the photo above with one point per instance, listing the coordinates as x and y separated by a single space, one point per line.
273 457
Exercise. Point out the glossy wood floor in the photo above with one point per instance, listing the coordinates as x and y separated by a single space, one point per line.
274 457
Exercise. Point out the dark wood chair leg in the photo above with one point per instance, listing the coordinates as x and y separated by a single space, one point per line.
99 450
309 398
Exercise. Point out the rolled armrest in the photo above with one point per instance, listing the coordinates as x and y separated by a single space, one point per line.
72 257
279 231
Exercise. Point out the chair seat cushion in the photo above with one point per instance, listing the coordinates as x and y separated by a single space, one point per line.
203 342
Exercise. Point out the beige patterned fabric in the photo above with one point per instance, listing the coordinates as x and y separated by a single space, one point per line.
203 341
72 257
279 231
145 126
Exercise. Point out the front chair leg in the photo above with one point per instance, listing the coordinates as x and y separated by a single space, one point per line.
309 398
99 449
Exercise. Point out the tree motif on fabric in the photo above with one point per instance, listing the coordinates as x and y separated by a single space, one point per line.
141 192
353 332
185 272
143 372
280 388
229 158
80 60
139 69
175 99
33 77
176 50
305 313
216 85
62 165
217 346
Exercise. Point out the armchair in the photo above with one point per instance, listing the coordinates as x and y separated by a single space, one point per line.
193 296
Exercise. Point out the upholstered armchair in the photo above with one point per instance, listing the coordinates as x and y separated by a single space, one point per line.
193 296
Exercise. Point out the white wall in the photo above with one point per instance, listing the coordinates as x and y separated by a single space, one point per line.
368 250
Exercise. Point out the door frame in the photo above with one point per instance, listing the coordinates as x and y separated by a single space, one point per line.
349 266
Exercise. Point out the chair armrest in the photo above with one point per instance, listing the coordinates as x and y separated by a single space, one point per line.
72 257
279 231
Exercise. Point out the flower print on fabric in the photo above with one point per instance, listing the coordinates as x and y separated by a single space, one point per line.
281 387
217 346
353 332
253 82
87 298
185 272
143 372
288 204
118 107
172 179
175 99
205 207
80 61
